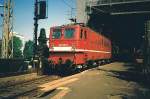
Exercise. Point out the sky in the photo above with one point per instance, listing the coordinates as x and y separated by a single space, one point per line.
58 11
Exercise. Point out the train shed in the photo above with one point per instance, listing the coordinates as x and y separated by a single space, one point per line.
125 22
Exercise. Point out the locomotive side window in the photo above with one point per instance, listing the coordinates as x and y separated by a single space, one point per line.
81 34
56 34
69 33
85 34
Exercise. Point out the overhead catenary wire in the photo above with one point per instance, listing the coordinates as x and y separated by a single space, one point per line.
71 7
67 4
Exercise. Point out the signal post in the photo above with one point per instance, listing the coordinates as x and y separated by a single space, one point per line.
39 13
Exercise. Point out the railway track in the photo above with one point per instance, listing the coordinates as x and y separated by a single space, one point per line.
29 87
15 90
14 80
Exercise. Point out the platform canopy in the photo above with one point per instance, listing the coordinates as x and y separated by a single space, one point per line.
119 7
121 20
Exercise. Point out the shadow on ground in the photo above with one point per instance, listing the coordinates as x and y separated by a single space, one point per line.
133 73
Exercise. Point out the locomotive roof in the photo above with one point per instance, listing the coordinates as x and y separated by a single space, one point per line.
81 25
77 24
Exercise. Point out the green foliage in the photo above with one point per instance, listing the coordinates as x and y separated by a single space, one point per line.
28 49
43 50
17 45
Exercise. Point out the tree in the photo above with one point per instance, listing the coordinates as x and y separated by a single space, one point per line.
43 53
43 49
17 45
28 50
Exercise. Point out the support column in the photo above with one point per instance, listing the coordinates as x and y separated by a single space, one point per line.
147 47
148 40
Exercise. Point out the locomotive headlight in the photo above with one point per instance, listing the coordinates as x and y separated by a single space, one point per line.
52 47
73 48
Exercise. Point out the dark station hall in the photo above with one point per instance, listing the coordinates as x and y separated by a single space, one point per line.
124 23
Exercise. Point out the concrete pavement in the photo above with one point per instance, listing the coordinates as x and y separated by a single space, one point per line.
111 81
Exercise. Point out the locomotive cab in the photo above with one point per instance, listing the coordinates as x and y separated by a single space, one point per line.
63 41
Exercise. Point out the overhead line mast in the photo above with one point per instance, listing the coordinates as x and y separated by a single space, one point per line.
7 37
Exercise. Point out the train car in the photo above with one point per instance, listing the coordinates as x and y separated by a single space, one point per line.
78 46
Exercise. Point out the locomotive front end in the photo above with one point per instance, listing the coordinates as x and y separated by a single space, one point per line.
62 45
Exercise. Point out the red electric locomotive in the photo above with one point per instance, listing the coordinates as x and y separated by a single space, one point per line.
78 45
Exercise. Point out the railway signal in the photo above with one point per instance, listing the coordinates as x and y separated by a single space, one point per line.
39 13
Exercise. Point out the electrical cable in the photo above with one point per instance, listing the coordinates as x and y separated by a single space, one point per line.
67 4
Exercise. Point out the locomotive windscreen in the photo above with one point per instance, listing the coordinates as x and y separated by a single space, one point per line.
69 33
56 33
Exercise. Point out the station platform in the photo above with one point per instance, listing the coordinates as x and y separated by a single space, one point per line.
117 80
